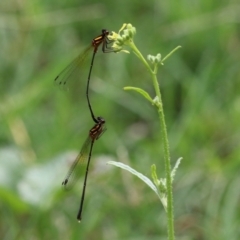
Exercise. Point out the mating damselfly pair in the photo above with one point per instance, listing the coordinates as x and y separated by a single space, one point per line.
99 127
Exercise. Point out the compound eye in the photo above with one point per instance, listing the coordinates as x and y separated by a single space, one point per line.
100 120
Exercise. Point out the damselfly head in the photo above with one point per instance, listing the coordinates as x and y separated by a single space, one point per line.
100 120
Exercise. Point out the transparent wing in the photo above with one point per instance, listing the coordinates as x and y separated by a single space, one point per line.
76 168
72 71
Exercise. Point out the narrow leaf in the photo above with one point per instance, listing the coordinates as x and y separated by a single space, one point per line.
134 172
145 179
141 91
175 168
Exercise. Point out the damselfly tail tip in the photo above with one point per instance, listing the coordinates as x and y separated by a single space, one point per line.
79 219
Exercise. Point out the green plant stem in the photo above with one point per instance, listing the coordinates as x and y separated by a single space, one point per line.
170 214
140 56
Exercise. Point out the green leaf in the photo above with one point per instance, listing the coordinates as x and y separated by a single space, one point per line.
154 175
168 55
141 91
175 168
145 179
136 173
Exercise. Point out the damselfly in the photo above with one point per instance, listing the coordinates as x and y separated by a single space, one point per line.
85 154
74 67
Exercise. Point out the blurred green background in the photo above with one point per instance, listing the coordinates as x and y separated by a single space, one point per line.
42 127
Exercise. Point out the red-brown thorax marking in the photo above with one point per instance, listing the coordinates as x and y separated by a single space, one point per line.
99 39
96 131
